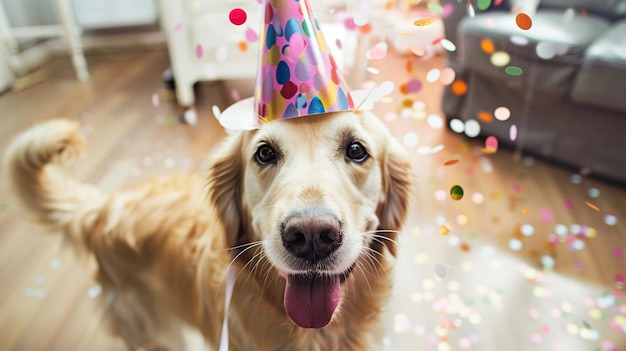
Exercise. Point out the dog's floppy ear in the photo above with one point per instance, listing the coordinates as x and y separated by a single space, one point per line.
225 186
397 188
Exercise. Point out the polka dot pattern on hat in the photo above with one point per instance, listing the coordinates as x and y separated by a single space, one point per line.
297 74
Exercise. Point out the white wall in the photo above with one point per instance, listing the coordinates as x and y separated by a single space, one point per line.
29 12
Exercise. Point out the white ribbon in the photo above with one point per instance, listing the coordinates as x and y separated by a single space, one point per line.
229 293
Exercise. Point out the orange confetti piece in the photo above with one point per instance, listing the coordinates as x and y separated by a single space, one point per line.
485 116
459 87
409 66
592 206
445 229
366 28
424 21
465 247
487 46
523 21
390 5
451 162
243 46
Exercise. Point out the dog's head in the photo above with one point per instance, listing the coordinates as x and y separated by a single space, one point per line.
319 193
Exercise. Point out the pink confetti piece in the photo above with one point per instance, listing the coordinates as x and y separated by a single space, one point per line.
491 143
178 26
339 43
377 53
199 51
546 215
251 35
237 16
447 76
349 23
414 86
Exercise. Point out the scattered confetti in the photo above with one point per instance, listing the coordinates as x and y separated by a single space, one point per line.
410 139
519 40
487 46
435 121
515 244
472 128
523 21
448 45
424 21
377 53
237 16
483 4
414 85
456 193
199 51
500 59
447 76
546 215
436 8
527 230
592 206
485 116
459 87
251 35
502 113
610 219
441 271
491 144
94 291
451 162
362 17
513 71
513 132
576 178
433 75
594 193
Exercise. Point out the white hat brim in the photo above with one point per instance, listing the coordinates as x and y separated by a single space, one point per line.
241 115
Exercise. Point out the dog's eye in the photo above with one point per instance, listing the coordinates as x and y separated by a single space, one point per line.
356 152
265 155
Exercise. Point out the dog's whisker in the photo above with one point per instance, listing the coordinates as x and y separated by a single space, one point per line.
379 238
256 256
228 267
363 272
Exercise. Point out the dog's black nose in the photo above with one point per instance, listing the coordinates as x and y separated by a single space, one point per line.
311 235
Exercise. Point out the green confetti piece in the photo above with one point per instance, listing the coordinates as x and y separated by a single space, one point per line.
513 71
456 193
436 8
483 4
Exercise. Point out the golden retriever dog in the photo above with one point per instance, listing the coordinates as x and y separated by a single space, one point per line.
302 214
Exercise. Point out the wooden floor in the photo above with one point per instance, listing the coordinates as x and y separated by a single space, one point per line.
479 273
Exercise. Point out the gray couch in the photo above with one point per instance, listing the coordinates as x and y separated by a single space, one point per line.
569 104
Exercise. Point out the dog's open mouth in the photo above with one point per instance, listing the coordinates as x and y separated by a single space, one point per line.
311 299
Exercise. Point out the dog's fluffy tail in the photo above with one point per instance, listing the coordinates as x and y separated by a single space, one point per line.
33 166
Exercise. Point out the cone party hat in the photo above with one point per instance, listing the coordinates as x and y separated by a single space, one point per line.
297 75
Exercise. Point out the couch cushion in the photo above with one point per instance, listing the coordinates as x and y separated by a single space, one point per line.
601 80
554 73
613 9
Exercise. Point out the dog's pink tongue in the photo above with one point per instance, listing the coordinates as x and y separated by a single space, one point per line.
311 301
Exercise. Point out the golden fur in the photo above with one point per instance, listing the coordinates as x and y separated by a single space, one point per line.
164 246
